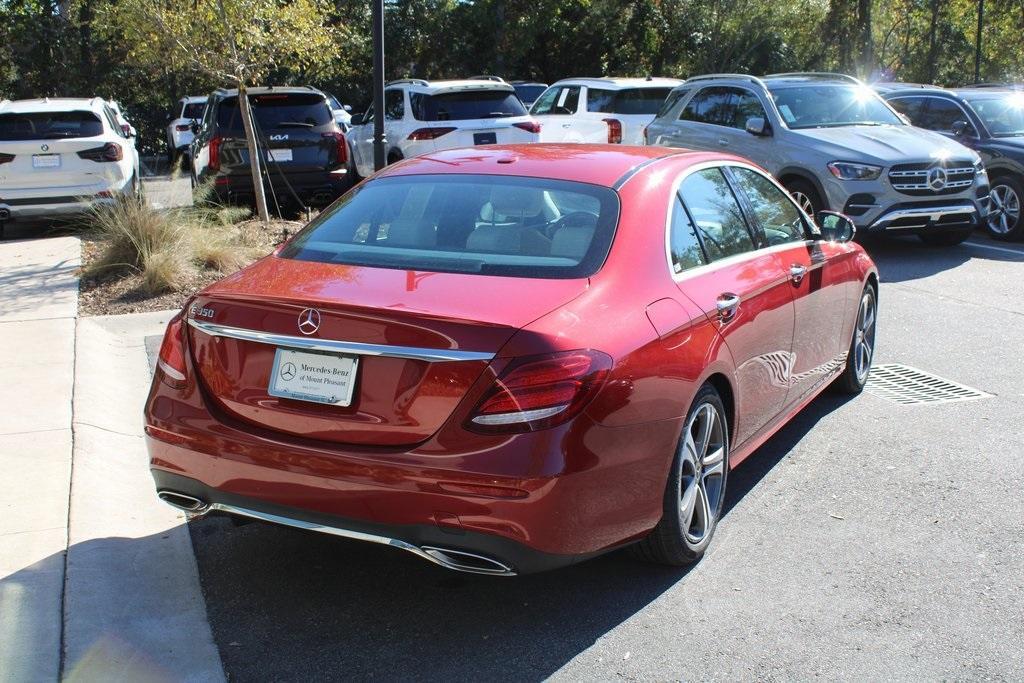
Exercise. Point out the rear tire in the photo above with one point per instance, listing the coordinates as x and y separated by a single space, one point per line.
394 156
1006 215
695 493
946 239
862 345
806 197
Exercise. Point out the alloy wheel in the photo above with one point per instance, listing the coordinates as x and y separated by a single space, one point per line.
1004 209
703 475
864 335
804 202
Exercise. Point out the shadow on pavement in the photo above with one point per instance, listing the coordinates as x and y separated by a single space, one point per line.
290 605
901 259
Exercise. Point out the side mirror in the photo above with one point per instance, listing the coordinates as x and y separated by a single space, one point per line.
960 128
835 227
358 119
758 126
195 127
347 107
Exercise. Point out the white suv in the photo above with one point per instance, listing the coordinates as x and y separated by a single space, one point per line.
58 156
428 116
611 110
188 112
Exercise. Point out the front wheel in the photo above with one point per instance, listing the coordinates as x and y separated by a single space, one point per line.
945 239
806 197
1004 220
695 493
862 346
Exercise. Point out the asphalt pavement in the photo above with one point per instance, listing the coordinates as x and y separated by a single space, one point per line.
868 540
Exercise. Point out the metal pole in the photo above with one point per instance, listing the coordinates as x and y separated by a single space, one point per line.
977 42
379 142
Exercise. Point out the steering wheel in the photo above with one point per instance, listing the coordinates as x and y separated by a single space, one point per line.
574 219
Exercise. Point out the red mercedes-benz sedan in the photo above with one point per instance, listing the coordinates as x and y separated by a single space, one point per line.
508 359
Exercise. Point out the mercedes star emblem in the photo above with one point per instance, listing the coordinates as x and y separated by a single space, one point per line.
937 179
287 371
309 321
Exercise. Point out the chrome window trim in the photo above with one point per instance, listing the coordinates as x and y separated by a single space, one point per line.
335 346
730 260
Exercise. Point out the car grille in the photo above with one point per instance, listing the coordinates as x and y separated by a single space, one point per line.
916 180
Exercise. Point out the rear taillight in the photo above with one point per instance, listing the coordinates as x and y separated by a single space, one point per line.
126 130
614 131
214 163
171 359
6 158
429 133
182 127
108 152
529 126
537 392
339 142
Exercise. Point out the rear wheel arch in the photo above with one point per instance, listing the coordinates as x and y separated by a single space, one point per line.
724 388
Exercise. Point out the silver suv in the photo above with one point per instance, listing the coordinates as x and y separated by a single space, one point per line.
834 144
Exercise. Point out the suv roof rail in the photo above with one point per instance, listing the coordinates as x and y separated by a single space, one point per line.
899 85
1009 86
409 81
485 77
735 77
823 75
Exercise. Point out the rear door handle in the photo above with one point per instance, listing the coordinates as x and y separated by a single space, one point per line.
727 304
566 125
796 273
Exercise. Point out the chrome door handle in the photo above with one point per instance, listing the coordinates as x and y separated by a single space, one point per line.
796 273
566 125
723 141
727 305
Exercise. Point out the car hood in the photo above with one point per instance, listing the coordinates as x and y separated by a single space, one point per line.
884 145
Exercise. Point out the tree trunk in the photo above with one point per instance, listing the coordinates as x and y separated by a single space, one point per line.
867 47
932 41
254 156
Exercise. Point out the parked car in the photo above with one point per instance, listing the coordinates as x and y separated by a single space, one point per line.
186 116
304 152
835 144
59 156
127 128
612 110
508 359
991 122
529 91
342 113
429 116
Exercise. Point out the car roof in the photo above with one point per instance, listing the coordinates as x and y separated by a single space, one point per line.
93 104
915 90
617 83
451 85
272 89
987 93
191 99
594 164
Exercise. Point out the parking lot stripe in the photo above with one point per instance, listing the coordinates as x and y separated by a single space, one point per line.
1018 252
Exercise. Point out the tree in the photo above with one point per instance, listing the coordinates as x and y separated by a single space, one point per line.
239 42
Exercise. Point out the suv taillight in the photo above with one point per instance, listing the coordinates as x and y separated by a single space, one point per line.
537 392
6 158
182 127
529 126
108 152
171 359
214 164
614 131
339 141
429 133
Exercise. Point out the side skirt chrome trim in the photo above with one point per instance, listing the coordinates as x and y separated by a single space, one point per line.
354 348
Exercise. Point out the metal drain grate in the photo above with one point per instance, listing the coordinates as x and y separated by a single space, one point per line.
910 386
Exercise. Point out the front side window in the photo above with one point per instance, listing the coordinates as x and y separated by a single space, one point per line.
831 105
464 105
746 106
394 105
774 210
940 115
487 225
684 246
1003 116
716 214
49 125
558 100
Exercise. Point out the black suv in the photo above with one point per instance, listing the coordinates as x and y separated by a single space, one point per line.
989 120
303 149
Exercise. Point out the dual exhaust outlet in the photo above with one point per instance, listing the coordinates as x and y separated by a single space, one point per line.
449 558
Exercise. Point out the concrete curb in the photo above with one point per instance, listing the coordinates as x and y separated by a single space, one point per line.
133 605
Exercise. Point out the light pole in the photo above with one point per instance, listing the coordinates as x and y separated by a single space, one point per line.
379 142
977 42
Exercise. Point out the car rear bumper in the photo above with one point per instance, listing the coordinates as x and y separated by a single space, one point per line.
43 208
317 189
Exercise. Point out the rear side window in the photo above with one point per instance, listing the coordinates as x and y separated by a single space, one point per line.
394 105
460 106
529 93
558 100
911 107
490 225
49 125
193 110
628 101
274 111
671 101
716 214
684 247
710 105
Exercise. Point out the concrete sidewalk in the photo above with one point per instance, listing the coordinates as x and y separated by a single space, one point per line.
97 577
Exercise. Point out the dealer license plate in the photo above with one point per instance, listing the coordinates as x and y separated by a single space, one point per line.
45 161
310 376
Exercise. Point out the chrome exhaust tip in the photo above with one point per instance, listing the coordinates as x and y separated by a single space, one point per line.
5 214
462 561
183 501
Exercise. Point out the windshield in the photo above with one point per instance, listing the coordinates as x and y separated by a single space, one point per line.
830 105
1003 116
193 110
49 125
529 93
490 225
459 106
628 101
285 110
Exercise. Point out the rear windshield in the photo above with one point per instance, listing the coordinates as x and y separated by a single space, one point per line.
529 93
49 125
273 111
490 225
629 101
459 106
193 110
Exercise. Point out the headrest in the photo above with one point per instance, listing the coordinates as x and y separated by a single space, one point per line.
572 242
516 202
411 233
